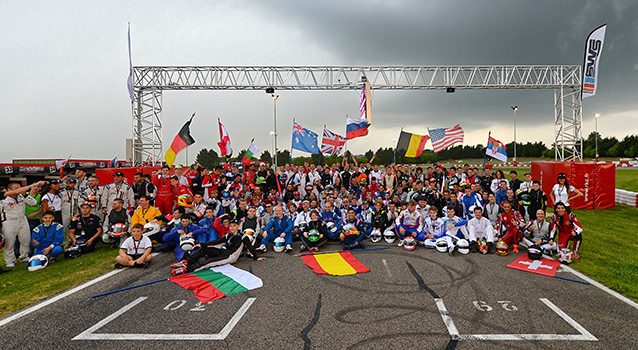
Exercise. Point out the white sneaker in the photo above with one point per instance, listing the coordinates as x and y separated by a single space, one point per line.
12 264
288 248
262 248
400 243
24 258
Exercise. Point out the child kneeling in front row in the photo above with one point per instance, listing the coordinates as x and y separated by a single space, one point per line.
136 250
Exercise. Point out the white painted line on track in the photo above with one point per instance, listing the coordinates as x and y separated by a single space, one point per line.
90 335
387 268
59 297
447 319
568 319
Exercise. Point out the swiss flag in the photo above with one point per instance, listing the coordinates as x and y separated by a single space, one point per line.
543 266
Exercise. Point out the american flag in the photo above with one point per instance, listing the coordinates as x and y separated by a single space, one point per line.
445 137
332 143
362 104
296 128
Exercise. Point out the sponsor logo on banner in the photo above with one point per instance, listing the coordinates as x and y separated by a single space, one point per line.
593 49
586 187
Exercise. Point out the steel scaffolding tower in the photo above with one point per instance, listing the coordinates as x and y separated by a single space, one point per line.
150 81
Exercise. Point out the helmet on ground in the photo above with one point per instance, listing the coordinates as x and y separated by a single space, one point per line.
389 236
107 239
37 262
441 245
472 207
350 230
279 244
482 245
185 200
463 246
72 252
313 235
118 230
332 227
225 194
151 228
309 187
409 243
501 248
534 252
376 236
565 256
187 243
260 180
525 198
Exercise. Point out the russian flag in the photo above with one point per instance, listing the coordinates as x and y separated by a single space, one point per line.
356 128
496 149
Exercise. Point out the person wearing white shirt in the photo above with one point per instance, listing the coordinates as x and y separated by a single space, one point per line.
136 250
480 228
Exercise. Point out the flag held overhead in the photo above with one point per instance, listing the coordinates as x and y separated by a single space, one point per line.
496 149
411 145
181 141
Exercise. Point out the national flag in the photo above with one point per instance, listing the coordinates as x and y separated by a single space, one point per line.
356 128
182 140
445 137
304 140
411 145
543 266
224 143
364 103
129 81
218 282
114 161
336 264
252 150
496 149
593 49
62 163
332 143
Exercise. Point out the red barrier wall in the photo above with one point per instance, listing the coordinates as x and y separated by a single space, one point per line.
597 182
106 175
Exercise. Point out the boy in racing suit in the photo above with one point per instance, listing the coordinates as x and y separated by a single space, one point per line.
510 226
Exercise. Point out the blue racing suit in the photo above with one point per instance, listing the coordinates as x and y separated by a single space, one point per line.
276 227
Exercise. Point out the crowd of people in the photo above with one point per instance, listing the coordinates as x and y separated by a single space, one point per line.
214 216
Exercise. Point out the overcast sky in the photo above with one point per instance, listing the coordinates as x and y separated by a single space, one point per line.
64 68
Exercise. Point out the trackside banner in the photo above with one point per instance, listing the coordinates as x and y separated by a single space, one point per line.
593 49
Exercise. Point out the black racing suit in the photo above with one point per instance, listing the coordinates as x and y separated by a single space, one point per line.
220 251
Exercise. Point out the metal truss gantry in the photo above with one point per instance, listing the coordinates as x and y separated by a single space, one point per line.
150 81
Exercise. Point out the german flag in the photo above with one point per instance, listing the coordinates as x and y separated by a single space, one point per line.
411 145
181 141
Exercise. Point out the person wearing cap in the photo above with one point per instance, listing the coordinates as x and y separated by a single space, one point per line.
527 184
164 197
70 199
118 189
85 229
51 200
563 192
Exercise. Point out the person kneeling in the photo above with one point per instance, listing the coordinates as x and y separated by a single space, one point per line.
136 250
48 237
316 235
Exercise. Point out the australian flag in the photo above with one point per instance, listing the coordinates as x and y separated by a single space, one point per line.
304 140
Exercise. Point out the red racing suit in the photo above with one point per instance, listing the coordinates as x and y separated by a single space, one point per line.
510 227
564 226
164 197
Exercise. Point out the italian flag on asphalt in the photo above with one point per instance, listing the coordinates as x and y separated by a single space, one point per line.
218 282
252 150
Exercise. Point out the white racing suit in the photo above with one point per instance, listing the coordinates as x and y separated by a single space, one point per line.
70 207
542 232
15 225
480 229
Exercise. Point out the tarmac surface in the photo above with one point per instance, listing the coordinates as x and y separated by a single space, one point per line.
419 299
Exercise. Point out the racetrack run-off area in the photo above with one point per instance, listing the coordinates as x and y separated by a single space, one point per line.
419 299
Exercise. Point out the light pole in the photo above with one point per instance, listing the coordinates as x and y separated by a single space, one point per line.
272 156
275 98
394 156
515 108
596 116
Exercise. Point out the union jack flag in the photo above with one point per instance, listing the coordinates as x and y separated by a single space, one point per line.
332 143
296 128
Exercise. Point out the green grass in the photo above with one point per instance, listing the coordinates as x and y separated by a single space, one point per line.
627 179
21 288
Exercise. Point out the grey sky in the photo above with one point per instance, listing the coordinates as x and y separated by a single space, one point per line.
64 67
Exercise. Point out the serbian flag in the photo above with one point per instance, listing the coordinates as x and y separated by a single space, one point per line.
336 264
496 149
252 150
356 128
224 143
218 282
411 145
543 266
182 140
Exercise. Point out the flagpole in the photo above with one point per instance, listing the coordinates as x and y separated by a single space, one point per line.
436 157
187 164
394 156
489 134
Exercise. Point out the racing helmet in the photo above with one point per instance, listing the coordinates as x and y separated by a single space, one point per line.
313 235
409 243
250 233
37 262
225 194
303 226
525 198
282 177
463 246
309 187
279 245
534 252
151 228
107 239
118 230
502 248
363 181
441 245
472 207
81 243
185 200
317 182
445 210
350 230
565 256
72 252
260 180
331 227
482 245
187 243
389 236
376 236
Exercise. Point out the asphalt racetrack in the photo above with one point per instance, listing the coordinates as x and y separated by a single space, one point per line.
421 299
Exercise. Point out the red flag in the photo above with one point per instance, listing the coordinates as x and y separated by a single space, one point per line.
545 267
224 144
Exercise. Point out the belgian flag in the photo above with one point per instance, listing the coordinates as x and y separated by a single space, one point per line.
411 145
181 141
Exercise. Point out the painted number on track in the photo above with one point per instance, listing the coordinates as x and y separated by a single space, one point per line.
177 304
506 305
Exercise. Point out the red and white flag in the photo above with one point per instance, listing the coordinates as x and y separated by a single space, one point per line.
445 137
543 266
332 143
62 163
224 143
